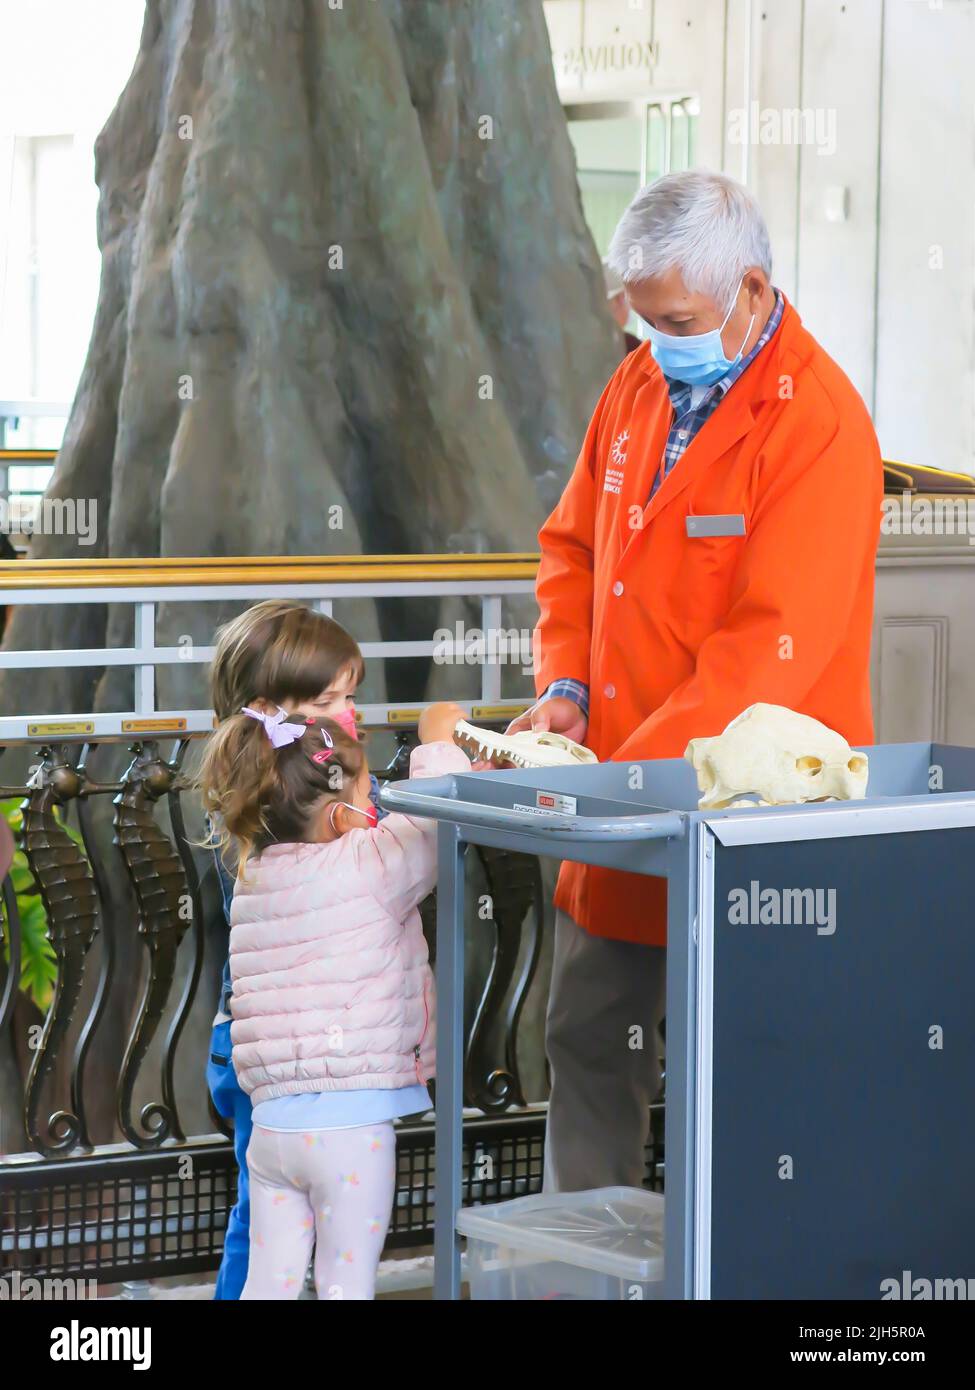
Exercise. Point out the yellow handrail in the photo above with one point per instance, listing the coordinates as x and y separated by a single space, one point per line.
169 571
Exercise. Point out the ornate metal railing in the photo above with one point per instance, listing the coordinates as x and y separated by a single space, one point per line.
69 874
69 870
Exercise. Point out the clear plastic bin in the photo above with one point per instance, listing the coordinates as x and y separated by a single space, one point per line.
605 1245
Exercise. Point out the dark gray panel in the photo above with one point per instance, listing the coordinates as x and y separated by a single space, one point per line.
821 1052
957 764
898 769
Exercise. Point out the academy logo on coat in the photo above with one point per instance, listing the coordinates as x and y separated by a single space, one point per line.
613 481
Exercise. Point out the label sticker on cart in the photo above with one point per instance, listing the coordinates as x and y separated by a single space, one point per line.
547 803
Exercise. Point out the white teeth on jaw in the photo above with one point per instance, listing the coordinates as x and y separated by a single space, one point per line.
523 749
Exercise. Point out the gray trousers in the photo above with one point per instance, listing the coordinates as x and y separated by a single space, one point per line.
606 1003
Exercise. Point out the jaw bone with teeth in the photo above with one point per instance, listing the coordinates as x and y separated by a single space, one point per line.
771 756
524 749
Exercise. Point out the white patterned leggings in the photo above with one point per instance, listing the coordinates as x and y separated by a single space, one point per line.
332 1188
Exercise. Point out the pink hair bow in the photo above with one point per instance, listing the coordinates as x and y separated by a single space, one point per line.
279 732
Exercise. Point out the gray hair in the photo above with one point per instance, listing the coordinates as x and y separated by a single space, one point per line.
707 225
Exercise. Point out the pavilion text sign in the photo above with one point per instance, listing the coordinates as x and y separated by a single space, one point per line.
591 60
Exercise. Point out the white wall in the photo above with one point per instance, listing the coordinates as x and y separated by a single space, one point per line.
64 63
887 88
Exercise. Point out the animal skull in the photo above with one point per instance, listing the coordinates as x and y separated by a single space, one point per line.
770 756
524 749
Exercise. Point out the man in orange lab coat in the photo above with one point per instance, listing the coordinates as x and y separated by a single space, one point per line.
714 547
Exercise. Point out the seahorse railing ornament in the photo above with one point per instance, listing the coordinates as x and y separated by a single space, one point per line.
166 910
65 882
514 885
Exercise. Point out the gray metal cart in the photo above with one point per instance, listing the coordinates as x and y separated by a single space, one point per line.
820 1014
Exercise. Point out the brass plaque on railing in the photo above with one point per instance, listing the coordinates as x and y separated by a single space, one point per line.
61 728
403 716
498 711
153 726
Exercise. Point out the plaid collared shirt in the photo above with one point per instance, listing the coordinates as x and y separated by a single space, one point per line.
687 421
688 418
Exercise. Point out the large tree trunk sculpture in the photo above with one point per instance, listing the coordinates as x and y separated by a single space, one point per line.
349 303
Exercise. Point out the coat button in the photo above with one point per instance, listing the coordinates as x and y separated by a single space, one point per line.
610 692
618 587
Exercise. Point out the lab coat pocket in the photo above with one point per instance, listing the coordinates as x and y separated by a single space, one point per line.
706 571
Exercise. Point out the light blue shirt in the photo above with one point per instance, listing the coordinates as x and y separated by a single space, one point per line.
341 1109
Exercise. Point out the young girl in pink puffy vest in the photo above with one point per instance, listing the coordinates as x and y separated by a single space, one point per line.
333 1005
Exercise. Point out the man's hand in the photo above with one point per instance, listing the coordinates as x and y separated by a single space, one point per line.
559 715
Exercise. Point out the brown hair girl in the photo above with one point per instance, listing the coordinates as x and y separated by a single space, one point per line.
277 654
283 653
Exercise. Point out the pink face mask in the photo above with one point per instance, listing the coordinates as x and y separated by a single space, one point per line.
346 722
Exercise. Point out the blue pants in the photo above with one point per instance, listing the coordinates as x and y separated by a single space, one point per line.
233 1104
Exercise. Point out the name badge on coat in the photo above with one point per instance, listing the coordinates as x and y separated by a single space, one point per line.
732 524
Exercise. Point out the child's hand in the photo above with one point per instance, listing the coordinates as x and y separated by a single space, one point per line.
438 721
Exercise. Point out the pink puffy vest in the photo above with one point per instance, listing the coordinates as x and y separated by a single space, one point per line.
332 986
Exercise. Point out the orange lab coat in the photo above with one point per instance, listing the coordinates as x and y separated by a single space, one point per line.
675 636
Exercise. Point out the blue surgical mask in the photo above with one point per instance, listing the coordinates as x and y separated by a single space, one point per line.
698 358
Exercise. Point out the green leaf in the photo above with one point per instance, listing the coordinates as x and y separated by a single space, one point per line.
38 962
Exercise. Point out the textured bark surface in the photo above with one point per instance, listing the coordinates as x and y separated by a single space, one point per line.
344 266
